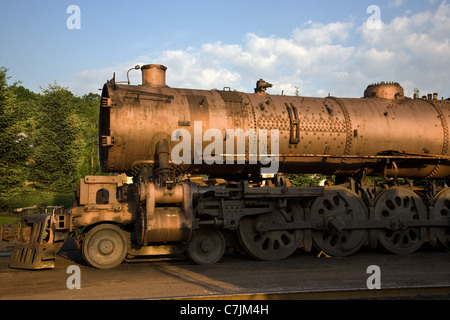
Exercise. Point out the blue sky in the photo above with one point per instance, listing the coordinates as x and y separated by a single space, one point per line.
319 46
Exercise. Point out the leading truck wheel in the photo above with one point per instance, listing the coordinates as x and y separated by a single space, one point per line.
105 246
207 246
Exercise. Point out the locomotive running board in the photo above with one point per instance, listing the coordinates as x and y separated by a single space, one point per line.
35 248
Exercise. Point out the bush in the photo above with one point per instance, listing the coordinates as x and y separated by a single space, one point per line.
30 197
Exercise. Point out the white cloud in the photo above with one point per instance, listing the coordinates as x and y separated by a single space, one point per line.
320 34
396 3
413 49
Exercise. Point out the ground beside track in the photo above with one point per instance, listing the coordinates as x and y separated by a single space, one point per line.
234 275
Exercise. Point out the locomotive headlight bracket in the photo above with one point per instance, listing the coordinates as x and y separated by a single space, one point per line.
136 67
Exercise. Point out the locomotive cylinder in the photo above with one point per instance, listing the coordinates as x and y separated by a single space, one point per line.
170 222
383 132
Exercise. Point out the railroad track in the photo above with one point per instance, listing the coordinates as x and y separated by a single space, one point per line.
416 292
284 304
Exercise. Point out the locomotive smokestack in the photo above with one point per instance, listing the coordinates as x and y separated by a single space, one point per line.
154 75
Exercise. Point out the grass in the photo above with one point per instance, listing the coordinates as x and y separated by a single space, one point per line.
7 220
32 197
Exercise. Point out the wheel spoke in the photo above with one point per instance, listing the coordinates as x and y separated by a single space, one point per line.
441 211
275 244
332 210
398 205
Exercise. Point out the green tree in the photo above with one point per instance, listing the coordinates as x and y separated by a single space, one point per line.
14 141
88 110
58 142
306 180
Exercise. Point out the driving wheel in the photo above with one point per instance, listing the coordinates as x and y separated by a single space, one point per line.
441 211
397 206
336 209
273 244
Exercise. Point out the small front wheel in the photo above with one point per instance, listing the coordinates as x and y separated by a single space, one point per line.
207 246
105 246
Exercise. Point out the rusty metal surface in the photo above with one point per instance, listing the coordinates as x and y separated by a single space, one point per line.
9 232
168 223
96 201
385 90
36 248
348 133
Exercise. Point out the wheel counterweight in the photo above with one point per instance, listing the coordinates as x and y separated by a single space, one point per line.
332 211
399 205
275 244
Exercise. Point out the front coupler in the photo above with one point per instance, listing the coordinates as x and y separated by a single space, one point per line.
39 242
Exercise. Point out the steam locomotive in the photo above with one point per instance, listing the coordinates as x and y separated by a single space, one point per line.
197 173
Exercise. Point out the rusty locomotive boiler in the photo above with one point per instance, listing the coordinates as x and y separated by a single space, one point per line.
208 167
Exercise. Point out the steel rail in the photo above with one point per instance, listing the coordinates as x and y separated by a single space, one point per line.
416 292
